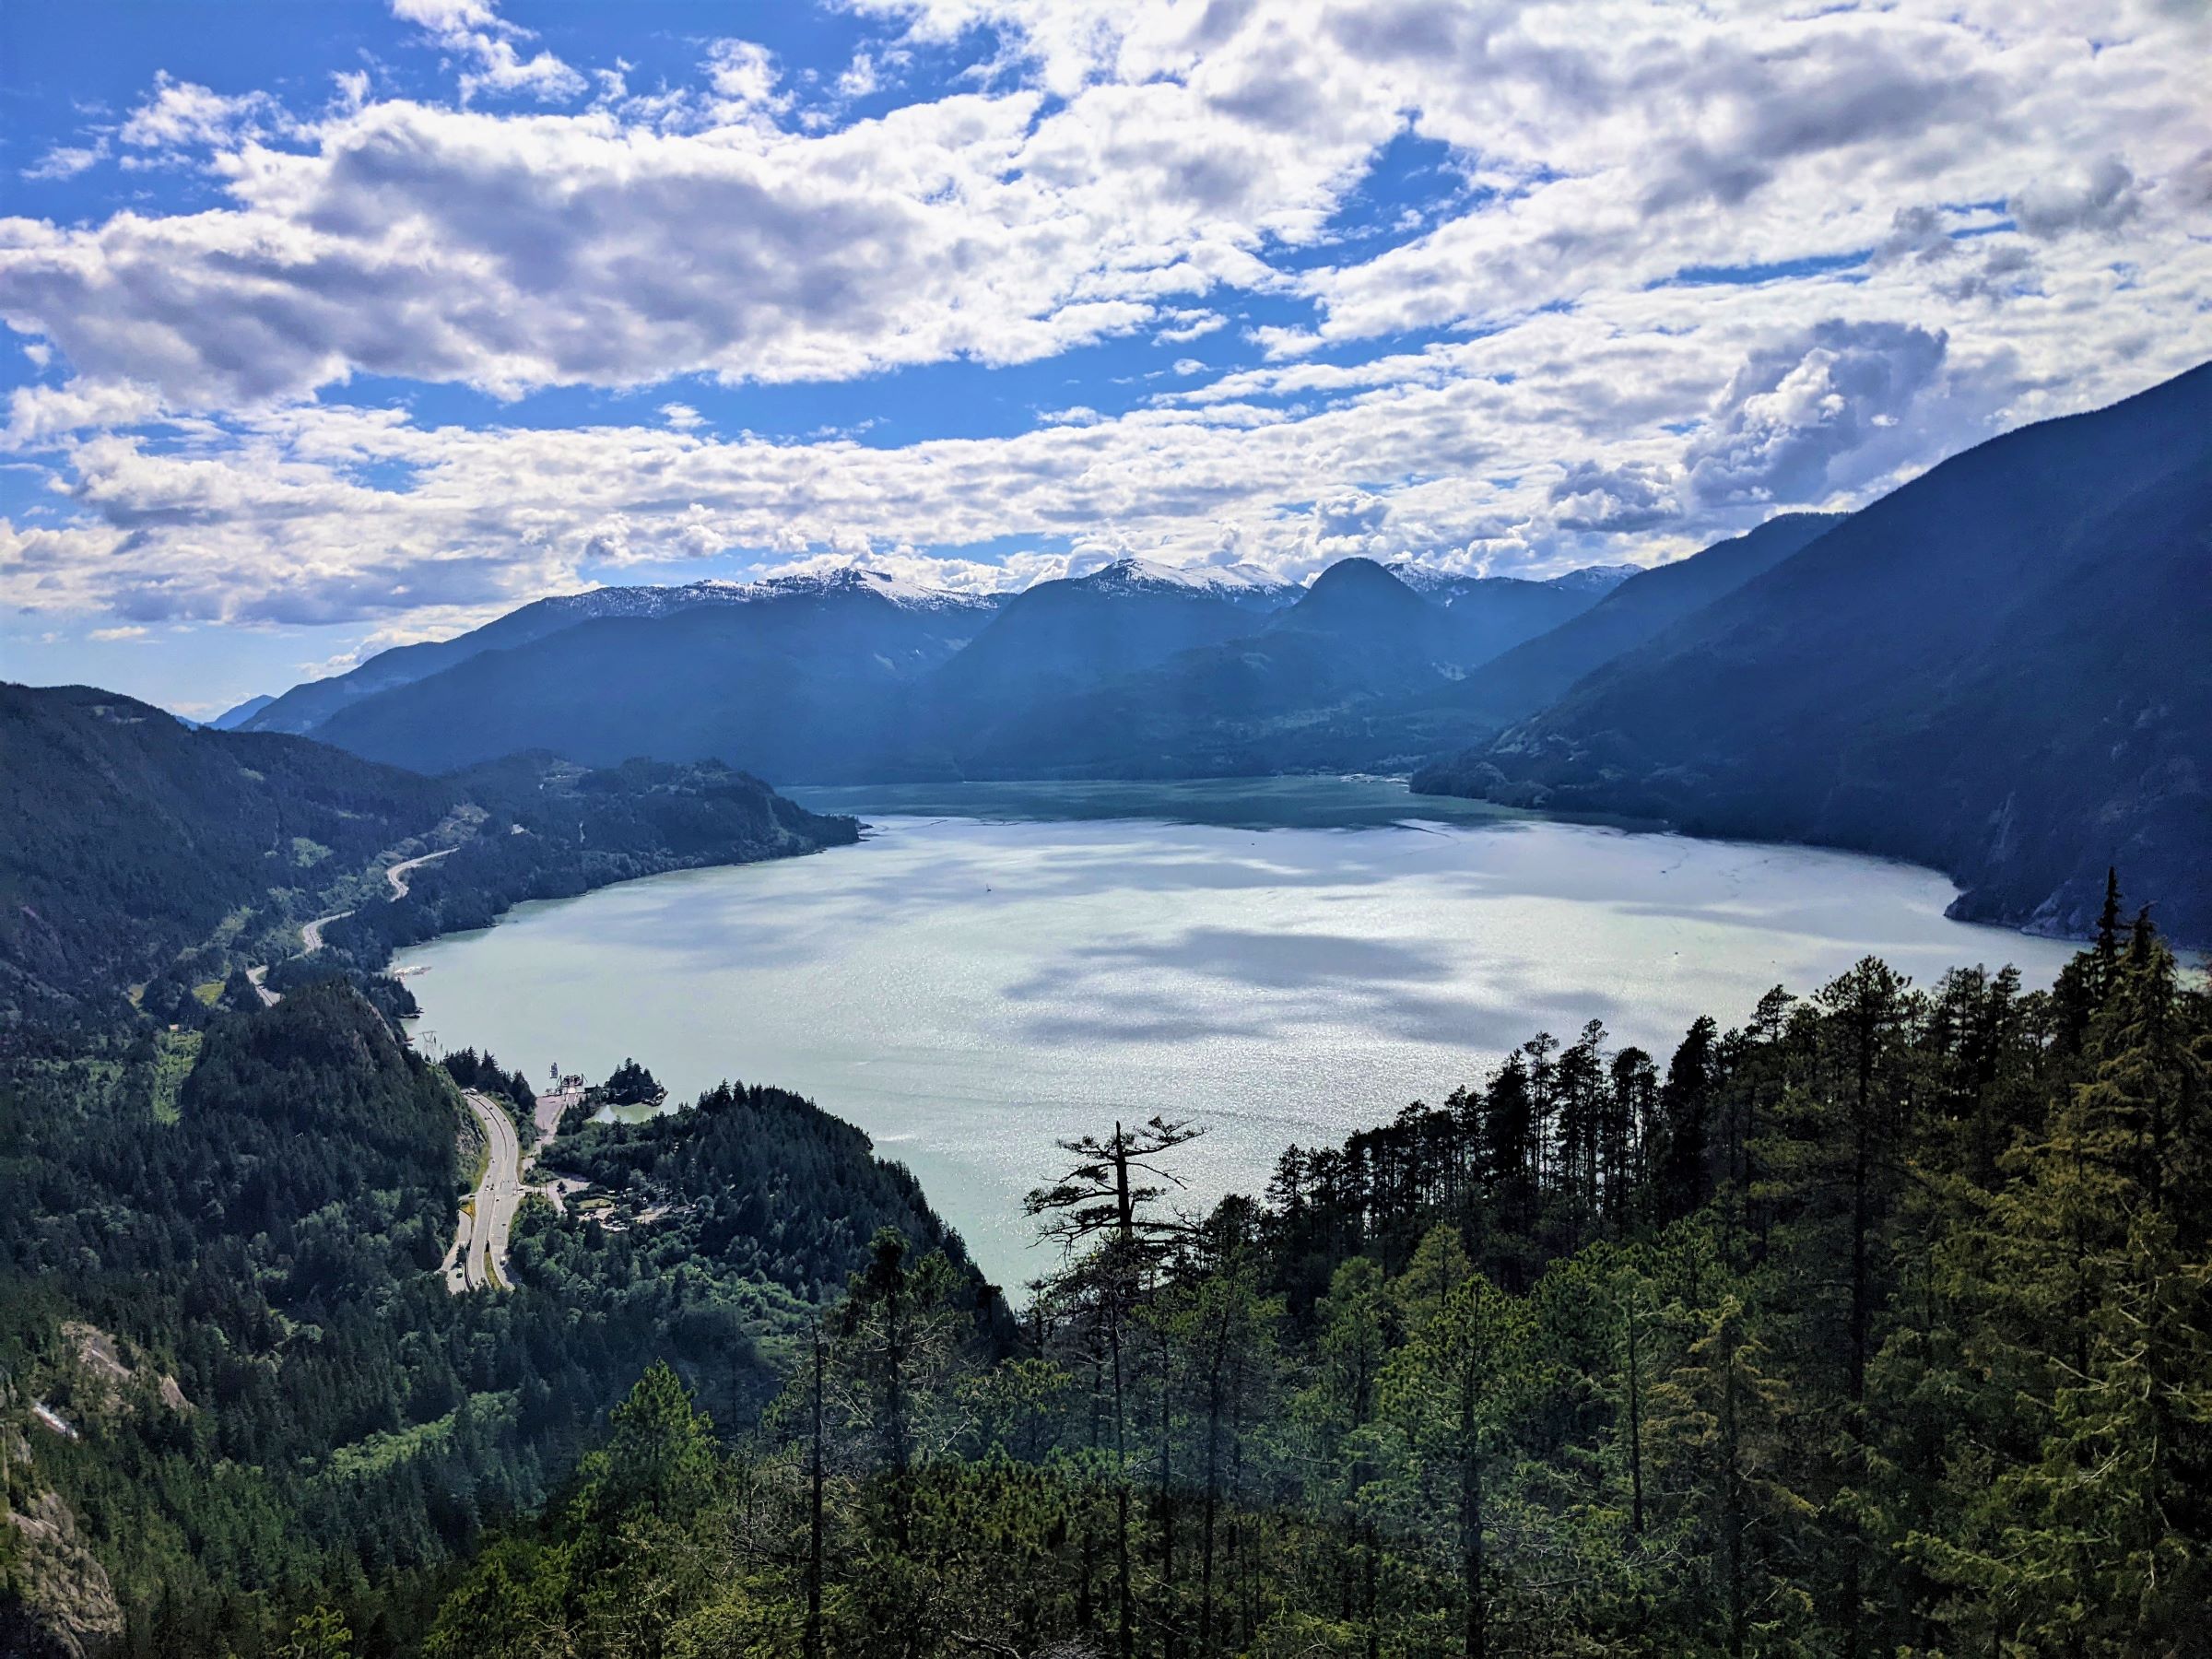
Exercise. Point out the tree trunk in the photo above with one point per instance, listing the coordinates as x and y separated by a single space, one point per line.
1635 1430
814 1516
1125 1633
1475 1637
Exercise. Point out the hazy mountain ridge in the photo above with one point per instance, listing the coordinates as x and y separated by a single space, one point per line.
1312 687
828 682
305 707
1530 676
230 718
1998 669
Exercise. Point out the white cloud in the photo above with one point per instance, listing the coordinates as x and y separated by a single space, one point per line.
2102 198
179 115
744 76
512 253
66 160
472 32
1630 497
38 415
1801 406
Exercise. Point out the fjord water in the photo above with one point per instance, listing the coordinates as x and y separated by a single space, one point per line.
996 967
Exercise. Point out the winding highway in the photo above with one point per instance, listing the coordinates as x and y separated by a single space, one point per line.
311 933
497 1197
397 874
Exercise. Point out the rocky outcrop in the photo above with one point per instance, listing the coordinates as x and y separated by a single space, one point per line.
55 1600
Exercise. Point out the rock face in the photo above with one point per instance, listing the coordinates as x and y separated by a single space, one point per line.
55 1600
102 1358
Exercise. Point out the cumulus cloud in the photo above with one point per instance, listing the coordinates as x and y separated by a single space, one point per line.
1798 407
66 160
38 415
1347 523
744 76
1589 497
2104 198
1991 268
450 245
179 114
474 33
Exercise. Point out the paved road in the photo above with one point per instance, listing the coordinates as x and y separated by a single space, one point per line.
311 933
499 1195
397 874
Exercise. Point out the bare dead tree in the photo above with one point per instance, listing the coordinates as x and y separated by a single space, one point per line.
1105 1212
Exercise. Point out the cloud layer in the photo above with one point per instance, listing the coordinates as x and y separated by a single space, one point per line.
1508 286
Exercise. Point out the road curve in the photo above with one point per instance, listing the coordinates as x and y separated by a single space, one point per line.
397 874
497 1197
311 933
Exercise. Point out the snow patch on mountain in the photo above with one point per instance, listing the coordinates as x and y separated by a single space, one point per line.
1238 584
1433 582
1596 579
900 591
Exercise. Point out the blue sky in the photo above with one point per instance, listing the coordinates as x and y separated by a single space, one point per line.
330 327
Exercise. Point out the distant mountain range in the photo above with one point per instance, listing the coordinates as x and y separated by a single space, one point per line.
305 707
1998 669
853 675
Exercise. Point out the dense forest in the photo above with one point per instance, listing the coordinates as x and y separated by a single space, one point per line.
1881 1325
218 1268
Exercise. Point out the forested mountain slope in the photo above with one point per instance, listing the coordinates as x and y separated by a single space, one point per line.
231 1373
1537 674
138 855
218 1270
1067 636
1315 687
809 685
307 706
1998 669
127 839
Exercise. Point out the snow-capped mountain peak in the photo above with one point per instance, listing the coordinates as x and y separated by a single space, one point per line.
1237 583
1435 582
660 601
1597 579
901 591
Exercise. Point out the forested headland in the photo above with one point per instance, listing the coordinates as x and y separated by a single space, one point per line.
146 866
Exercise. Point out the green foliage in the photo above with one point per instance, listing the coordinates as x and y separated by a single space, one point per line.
1926 1369
343 1427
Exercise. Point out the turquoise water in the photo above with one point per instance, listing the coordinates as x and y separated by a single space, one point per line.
970 987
